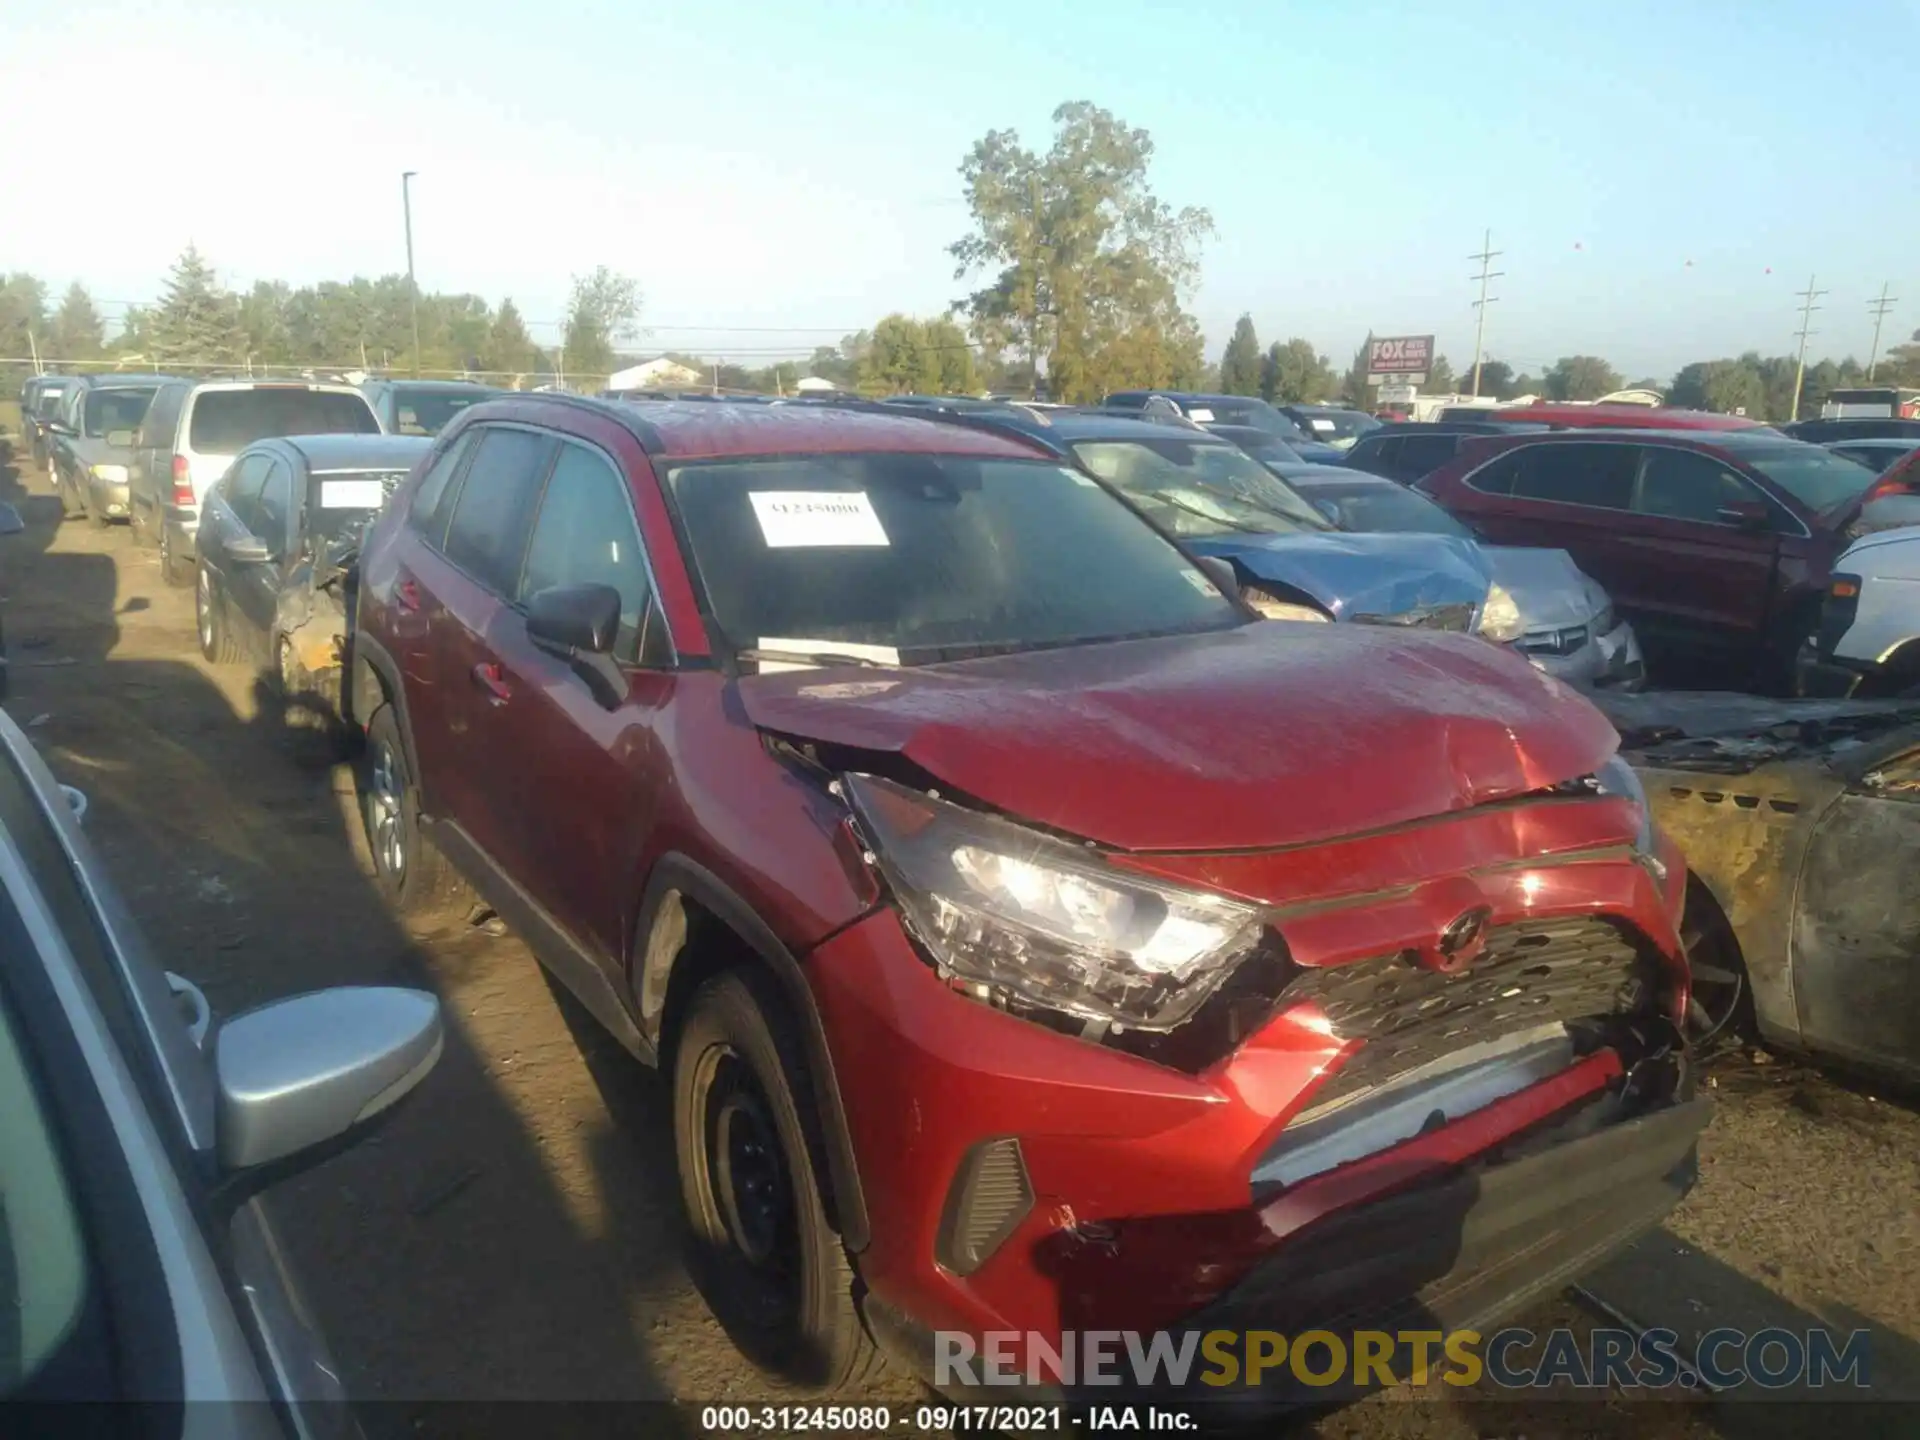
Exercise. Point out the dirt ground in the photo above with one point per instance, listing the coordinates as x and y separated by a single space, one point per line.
513 1235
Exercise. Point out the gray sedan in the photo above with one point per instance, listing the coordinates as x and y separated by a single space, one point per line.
1570 628
136 1261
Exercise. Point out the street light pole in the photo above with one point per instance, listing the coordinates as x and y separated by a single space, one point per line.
413 286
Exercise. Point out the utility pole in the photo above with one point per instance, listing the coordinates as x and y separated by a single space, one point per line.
1879 308
1486 258
33 348
1033 310
413 286
1807 307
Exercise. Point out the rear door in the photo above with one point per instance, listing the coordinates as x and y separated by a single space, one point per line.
1420 455
585 811
1571 497
1696 583
463 586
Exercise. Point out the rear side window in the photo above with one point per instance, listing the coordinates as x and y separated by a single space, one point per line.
491 513
1600 476
1423 454
428 513
229 420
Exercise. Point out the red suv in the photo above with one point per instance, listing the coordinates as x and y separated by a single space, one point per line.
1036 939
1716 546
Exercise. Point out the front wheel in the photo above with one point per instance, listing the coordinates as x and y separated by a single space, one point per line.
216 641
1720 1002
768 1262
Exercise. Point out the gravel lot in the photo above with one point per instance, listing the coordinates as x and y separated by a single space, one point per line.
513 1235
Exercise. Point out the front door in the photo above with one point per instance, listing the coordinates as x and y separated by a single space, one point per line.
254 588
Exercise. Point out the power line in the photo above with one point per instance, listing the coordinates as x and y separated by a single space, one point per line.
1879 309
1486 258
1807 307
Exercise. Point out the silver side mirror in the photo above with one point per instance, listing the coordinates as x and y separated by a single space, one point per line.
301 1072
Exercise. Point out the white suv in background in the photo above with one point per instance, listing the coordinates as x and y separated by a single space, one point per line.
1868 643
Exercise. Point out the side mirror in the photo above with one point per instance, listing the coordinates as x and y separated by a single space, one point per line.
1747 514
60 427
10 521
298 1078
122 439
247 550
575 619
1222 573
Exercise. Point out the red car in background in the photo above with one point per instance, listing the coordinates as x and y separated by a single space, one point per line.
1717 545
1037 940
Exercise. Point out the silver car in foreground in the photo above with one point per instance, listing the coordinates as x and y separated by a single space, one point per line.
1569 627
136 1135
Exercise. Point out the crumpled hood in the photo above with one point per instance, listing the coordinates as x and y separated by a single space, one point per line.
1552 592
1363 574
1275 733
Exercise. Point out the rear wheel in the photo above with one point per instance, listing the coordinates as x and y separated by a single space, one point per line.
410 873
216 641
769 1264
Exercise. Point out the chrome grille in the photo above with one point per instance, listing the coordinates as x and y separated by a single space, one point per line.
1424 617
1554 642
1531 973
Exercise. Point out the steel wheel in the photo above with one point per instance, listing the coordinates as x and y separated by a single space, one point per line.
386 816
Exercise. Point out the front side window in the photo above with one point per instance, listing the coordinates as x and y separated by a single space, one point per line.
1199 489
491 513
241 486
276 504
930 557
1686 485
585 535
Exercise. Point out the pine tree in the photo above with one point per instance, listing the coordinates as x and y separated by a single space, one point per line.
1240 366
197 323
77 332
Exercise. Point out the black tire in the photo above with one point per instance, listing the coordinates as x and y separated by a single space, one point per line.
765 1258
138 523
95 516
408 871
210 620
1720 1007
173 570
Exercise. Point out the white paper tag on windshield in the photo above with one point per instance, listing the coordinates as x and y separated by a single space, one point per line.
885 654
793 519
1321 424
352 494
1200 417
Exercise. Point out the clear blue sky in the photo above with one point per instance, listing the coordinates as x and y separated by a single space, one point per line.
793 166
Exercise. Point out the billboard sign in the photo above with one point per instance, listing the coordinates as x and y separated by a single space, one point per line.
1399 357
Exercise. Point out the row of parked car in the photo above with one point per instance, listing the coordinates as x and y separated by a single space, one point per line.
1073 875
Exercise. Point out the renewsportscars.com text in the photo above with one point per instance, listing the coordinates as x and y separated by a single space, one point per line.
1514 1358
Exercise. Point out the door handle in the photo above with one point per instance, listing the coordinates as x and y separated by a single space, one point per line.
407 593
489 678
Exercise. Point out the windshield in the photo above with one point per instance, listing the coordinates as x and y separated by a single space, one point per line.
428 412
1369 509
1201 489
1339 428
227 421
1817 478
111 410
345 500
1226 410
920 558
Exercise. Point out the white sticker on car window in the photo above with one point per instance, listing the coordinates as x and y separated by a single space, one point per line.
1321 424
358 494
1201 582
1200 417
795 519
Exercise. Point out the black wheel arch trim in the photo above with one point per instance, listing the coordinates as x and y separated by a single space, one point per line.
677 873
376 677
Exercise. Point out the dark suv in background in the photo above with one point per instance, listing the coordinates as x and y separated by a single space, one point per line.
1406 452
1716 545
422 407
1035 939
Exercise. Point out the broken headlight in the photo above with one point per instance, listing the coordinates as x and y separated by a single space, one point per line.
1500 616
1618 778
1021 914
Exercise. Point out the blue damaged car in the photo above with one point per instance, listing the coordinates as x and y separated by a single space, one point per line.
1291 561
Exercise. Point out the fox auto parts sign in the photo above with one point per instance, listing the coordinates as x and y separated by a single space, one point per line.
1399 357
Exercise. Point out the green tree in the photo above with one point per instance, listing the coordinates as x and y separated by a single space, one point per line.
510 350
23 322
1085 262
1496 379
1354 389
263 314
1440 379
196 323
899 360
1521 384
603 310
1240 365
952 356
77 331
1722 386
1296 373
1581 377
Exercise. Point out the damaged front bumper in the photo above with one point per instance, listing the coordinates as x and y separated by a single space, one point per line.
1604 661
1026 1180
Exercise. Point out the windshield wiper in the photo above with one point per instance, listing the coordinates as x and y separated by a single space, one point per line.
814 657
